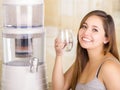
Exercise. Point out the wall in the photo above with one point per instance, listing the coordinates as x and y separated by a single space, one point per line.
0 30
54 23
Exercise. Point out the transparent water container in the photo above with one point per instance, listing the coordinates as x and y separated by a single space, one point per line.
23 65
23 16
23 34
23 47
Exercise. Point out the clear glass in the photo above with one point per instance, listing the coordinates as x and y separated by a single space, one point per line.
23 16
23 47
66 36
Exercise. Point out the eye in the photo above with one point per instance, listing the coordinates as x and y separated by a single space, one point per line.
95 30
84 26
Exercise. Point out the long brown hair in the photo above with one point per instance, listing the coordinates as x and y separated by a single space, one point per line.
82 55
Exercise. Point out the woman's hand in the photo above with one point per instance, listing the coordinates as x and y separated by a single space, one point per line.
59 46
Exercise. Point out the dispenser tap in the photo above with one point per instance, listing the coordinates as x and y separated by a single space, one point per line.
34 62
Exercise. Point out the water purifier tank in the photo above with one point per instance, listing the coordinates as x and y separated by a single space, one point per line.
23 65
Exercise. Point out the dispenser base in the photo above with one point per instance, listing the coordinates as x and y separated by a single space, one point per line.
20 78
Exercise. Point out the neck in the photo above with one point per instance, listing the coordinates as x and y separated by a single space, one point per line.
95 56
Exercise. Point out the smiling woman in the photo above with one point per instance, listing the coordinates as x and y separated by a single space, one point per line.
97 58
91 33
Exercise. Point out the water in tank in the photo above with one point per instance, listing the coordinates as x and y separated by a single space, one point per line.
23 65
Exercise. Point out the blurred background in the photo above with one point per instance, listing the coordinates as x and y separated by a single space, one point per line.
61 14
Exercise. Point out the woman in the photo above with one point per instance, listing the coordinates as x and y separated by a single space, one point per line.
97 64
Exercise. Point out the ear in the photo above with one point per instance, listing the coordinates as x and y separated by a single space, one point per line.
106 40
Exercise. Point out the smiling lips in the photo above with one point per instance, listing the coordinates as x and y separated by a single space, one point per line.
86 39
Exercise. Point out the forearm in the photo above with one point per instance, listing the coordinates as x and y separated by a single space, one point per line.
58 75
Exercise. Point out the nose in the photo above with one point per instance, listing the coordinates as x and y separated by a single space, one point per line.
87 32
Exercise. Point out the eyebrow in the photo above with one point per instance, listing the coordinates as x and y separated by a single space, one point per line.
84 23
92 25
95 26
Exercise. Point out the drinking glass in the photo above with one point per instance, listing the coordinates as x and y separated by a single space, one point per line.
66 36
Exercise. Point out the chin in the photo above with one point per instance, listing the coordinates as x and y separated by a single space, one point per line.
85 46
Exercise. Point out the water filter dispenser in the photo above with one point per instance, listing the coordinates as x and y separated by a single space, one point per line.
23 66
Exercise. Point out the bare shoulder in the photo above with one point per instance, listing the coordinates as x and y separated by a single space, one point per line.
111 74
111 65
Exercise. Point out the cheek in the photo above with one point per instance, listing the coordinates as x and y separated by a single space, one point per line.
99 39
80 32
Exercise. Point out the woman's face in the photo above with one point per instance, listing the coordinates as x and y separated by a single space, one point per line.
92 34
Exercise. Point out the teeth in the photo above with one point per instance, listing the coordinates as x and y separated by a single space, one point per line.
85 39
